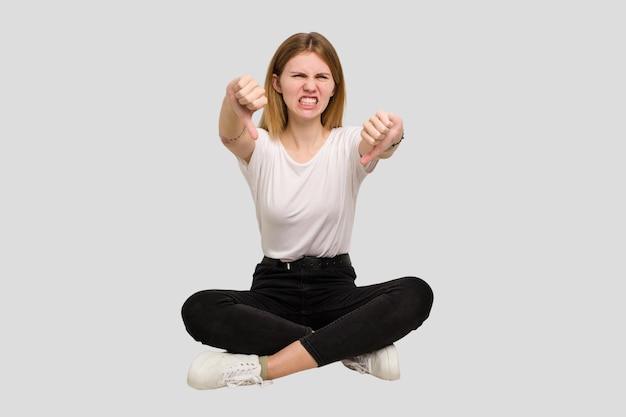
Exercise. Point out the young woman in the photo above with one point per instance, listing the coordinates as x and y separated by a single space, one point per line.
304 169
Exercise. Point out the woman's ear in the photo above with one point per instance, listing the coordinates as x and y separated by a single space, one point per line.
276 83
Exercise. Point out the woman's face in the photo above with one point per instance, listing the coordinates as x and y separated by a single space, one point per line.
306 85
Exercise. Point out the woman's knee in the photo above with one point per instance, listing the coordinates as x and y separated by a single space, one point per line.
419 296
198 308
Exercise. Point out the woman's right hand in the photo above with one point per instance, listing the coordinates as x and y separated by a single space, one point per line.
246 96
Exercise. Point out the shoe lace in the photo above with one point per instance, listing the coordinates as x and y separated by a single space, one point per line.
358 363
241 375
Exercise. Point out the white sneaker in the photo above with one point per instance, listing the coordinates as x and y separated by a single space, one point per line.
382 363
211 370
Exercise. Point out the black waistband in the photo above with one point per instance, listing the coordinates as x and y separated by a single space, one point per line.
309 262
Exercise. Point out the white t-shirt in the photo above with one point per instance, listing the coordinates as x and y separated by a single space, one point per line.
306 209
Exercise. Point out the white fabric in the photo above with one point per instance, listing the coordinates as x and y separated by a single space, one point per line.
306 209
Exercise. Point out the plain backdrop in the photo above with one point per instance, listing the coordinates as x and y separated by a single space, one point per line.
118 201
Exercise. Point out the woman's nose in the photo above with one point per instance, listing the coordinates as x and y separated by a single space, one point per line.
309 85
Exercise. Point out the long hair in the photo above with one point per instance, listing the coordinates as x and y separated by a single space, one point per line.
274 116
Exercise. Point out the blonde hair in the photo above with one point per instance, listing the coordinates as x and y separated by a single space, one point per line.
274 116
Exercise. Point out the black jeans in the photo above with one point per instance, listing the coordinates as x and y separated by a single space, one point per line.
324 309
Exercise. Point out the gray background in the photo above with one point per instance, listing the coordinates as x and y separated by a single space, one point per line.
118 201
